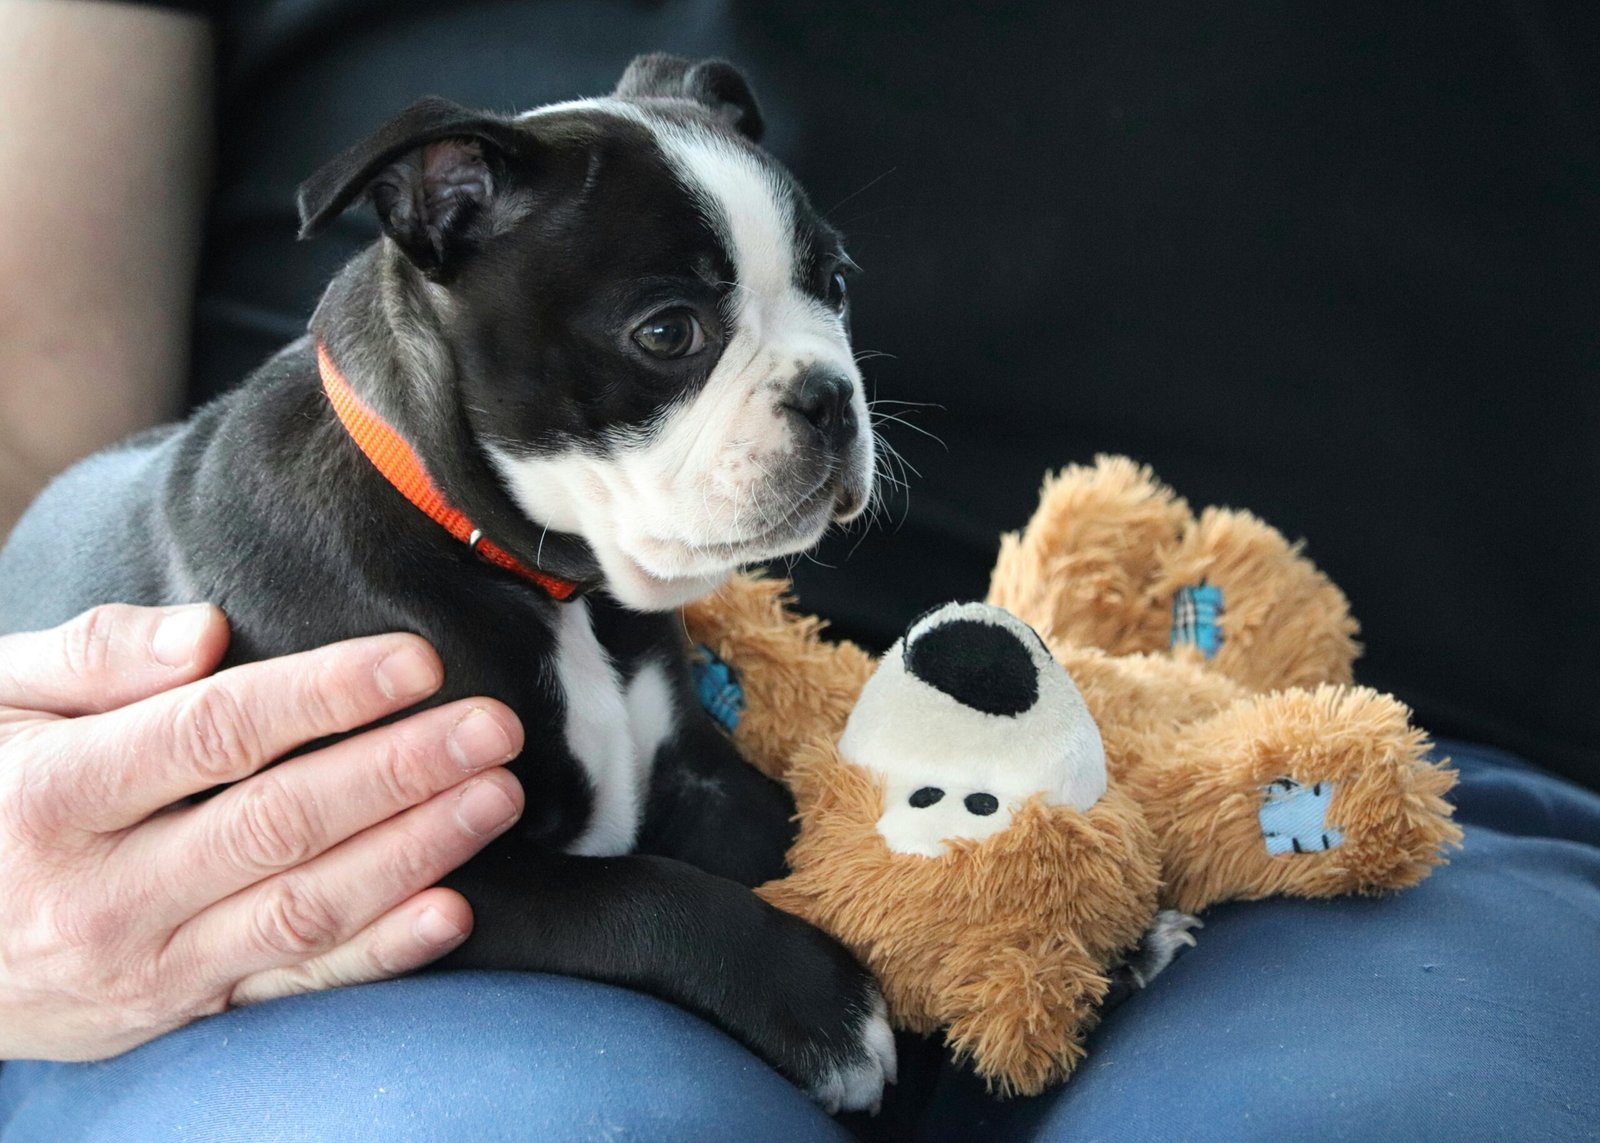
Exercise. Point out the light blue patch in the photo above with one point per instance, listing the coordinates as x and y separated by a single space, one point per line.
1294 818
717 685
1196 617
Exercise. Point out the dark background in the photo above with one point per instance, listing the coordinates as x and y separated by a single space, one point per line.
1338 264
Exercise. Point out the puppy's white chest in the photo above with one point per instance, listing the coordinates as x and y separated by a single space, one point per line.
613 727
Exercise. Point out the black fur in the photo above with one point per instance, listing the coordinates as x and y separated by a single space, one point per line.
428 171
262 504
715 83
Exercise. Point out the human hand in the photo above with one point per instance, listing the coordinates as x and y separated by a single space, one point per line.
123 916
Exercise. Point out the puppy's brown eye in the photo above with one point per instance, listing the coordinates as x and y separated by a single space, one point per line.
838 291
675 333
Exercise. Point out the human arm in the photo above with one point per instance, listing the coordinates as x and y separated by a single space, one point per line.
104 157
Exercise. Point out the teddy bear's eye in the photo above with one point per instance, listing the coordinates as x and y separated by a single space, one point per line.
982 804
925 797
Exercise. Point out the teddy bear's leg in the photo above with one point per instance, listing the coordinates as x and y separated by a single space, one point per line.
1022 1017
778 684
1081 570
1246 602
1311 793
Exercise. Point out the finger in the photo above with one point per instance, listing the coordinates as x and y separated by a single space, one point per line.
114 769
305 912
402 940
110 656
297 810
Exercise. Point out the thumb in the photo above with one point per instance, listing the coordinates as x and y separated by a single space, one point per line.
110 656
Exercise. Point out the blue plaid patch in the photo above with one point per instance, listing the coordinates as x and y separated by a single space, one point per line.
717 685
1196 616
1294 818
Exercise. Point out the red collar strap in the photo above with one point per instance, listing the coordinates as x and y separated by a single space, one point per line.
401 467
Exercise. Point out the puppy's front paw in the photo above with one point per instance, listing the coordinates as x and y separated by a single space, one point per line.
855 1080
1169 934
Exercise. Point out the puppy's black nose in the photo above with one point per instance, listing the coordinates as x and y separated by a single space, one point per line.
822 400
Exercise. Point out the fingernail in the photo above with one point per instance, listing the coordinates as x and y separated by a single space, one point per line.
478 740
407 673
179 633
485 809
434 928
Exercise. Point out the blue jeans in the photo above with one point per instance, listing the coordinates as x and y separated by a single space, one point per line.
1465 1009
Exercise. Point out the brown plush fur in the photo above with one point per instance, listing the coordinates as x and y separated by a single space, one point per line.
1005 942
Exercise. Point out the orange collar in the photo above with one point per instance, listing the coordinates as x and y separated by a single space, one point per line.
401 467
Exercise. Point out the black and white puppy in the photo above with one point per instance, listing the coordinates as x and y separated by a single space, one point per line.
615 333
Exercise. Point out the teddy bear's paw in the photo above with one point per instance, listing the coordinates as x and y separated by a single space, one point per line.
856 1082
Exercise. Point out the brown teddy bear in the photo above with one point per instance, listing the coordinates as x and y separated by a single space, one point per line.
996 820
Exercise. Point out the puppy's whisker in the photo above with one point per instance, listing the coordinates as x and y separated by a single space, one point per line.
860 191
879 418
894 454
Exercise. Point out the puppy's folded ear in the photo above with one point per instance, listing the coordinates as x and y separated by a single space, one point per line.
428 171
715 83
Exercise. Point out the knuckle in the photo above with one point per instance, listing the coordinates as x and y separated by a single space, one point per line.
412 863
83 928
217 734
140 994
295 922
321 697
277 983
95 952
86 641
270 829
402 767
381 957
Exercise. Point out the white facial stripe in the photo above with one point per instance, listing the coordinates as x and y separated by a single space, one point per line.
729 475
751 210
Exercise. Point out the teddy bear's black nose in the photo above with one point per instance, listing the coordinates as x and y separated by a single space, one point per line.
978 664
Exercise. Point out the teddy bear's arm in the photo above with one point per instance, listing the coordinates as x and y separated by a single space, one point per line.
797 687
1080 571
1112 558
1312 793
1283 623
